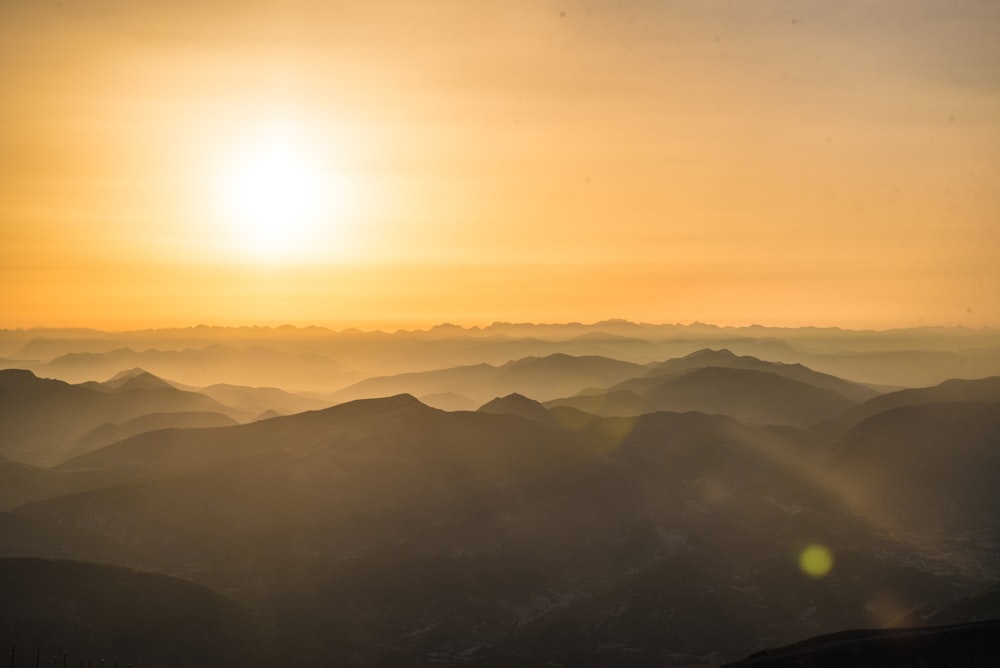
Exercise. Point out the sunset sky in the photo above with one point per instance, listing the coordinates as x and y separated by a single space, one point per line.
409 162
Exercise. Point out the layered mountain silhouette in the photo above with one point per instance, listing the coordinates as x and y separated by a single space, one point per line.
590 512
539 377
106 614
251 366
257 400
110 432
753 395
726 359
957 646
425 537
42 418
931 468
956 390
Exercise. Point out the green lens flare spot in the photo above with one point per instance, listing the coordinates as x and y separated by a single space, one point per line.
816 561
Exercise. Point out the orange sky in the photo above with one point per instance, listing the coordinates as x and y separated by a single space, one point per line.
782 162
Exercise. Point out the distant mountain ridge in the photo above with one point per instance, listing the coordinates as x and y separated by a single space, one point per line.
748 394
539 377
41 418
498 538
724 358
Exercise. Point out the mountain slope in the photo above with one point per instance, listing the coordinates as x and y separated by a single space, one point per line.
754 396
926 463
106 613
252 366
109 432
985 390
538 377
724 358
423 537
256 400
40 418
959 646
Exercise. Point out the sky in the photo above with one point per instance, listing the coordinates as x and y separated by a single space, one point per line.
391 162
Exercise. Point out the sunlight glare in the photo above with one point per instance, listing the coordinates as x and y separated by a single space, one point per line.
278 199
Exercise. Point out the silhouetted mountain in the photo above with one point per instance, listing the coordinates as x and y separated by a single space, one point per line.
906 357
136 379
109 432
448 401
252 366
516 404
540 377
931 467
396 534
256 400
982 390
20 483
22 536
41 418
726 359
110 614
981 607
959 646
754 396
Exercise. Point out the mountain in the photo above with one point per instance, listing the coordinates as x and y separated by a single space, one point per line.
955 390
251 366
22 536
957 646
256 400
516 404
725 359
930 468
448 401
109 614
109 432
750 395
540 377
390 533
20 483
135 379
40 418
981 607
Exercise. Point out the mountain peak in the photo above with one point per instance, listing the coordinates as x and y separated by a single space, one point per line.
711 353
127 374
136 379
517 404
13 377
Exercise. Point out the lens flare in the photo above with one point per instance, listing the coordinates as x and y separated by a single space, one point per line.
816 561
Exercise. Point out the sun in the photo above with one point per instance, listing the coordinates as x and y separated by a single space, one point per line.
277 197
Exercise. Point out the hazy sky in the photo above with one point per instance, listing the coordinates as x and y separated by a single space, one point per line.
408 162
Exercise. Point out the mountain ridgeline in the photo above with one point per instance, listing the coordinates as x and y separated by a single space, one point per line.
594 510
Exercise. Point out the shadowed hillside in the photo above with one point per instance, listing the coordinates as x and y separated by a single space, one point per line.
111 614
754 396
426 537
41 418
959 646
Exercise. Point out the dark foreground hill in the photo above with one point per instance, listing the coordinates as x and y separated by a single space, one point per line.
386 533
103 614
974 645
926 465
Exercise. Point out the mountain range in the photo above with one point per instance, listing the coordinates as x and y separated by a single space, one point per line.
552 526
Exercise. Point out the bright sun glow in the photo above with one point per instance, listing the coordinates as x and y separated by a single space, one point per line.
280 201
